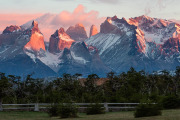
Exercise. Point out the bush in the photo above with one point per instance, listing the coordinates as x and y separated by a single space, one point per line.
147 109
53 111
67 110
170 102
95 109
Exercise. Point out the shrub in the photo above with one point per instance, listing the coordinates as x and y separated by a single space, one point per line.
170 102
147 109
67 110
95 109
53 111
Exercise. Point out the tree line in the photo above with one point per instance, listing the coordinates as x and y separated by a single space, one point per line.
132 86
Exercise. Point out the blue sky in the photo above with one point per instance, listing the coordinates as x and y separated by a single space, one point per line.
168 9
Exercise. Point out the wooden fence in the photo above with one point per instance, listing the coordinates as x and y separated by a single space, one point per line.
41 106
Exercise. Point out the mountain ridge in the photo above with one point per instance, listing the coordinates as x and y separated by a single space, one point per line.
142 42
140 52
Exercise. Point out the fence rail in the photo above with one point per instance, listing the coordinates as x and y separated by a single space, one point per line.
40 106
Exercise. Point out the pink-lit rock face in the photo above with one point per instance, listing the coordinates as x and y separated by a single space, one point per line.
140 41
108 27
172 45
77 32
10 29
59 40
36 41
93 31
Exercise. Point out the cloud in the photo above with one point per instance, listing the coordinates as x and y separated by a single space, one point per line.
147 11
48 23
161 4
79 15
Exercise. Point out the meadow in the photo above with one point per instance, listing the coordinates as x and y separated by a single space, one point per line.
126 115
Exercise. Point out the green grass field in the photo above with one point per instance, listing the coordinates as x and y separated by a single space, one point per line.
166 115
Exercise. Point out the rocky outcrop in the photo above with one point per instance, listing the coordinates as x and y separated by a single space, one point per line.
93 31
107 27
11 29
77 32
36 42
59 40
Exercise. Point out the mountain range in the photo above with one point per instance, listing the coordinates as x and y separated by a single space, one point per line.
142 42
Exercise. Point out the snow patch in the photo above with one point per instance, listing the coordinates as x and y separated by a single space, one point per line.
152 37
65 37
3 50
51 60
31 55
103 41
13 50
147 49
78 59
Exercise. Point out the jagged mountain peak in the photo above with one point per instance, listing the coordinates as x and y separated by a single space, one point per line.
79 25
59 41
93 31
115 25
144 17
77 32
148 20
35 24
141 19
141 42
36 42
59 31
110 19
34 28
153 29
12 28
114 17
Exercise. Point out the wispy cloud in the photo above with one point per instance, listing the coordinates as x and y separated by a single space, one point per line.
79 15
156 4
48 23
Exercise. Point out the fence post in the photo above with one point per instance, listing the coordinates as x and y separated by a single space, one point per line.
36 107
1 108
106 107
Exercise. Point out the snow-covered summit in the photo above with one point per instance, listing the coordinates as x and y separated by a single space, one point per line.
141 42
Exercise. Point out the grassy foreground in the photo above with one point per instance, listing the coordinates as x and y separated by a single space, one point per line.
166 115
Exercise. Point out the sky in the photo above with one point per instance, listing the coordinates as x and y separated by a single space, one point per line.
123 8
67 12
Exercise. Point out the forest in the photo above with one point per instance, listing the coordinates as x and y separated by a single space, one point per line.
132 86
